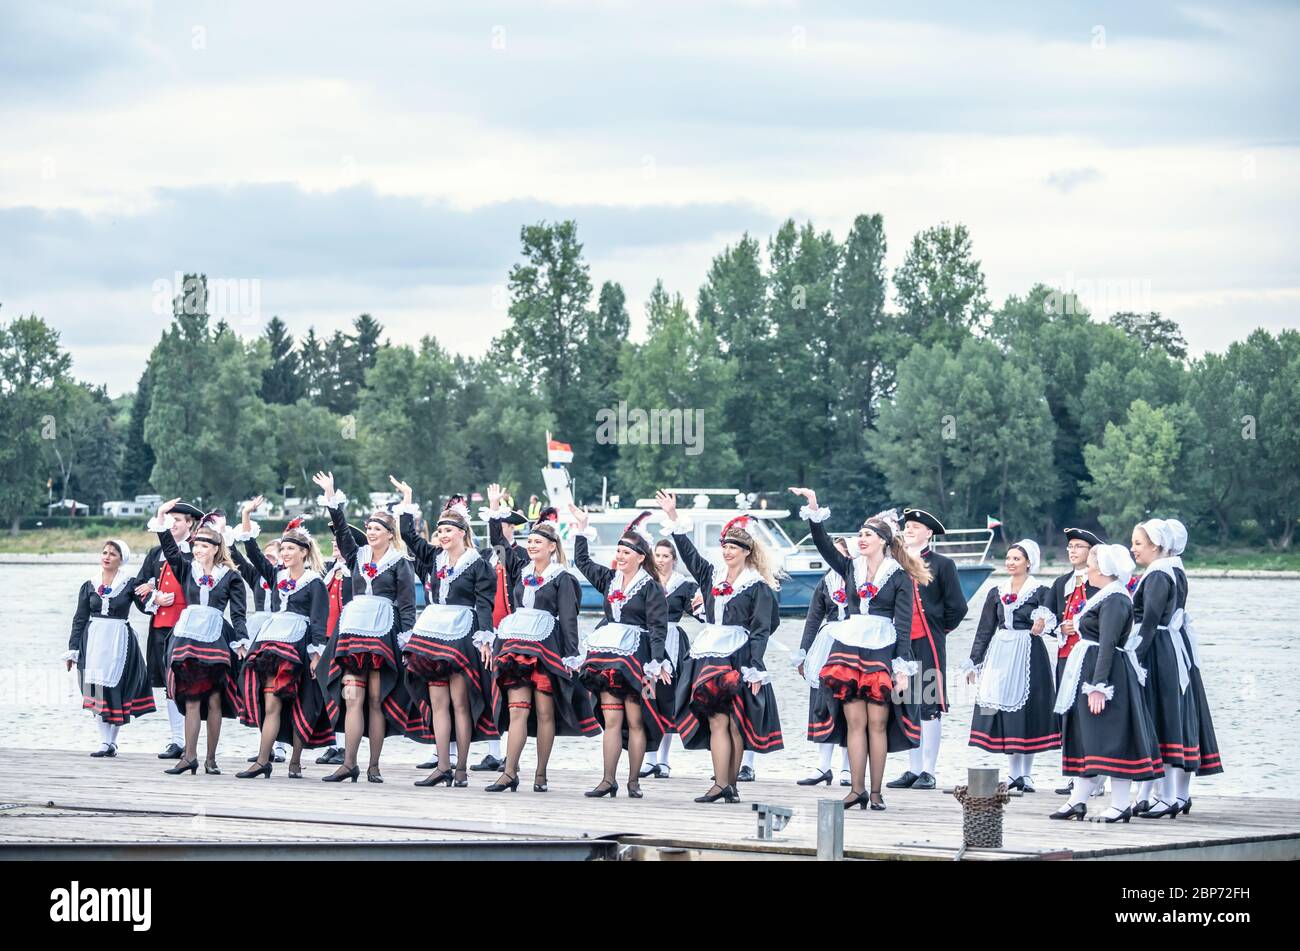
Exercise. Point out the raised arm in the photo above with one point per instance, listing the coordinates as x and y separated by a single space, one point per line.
815 515
333 500
598 575
695 563
162 524
424 553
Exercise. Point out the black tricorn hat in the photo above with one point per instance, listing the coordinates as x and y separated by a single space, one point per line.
184 508
925 518
1083 535
516 518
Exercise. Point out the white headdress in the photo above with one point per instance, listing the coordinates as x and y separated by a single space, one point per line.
1115 561
1159 532
1031 549
1178 532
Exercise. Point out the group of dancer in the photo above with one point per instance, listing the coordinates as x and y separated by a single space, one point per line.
338 648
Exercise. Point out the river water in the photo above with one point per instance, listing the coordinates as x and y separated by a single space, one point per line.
1250 665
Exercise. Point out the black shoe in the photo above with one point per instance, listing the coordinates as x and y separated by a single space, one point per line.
511 784
436 779
109 752
1066 790
341 774
879 806
845 779
1160 809
172 752
1078 811
192 766
211 768
489 764
373 775
331 757
746 775
610 790
277 756
461 779
634 789
905 781
714 796
1014 784
429 764
730 794
1122 817
649 769
1141 806
662 771
263 770
1184 804
295 773
542 786
925 781
822 777
860 800
1027 785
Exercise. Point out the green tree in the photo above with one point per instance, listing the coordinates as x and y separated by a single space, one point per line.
82 457
941 287
598 365
1152 330
1131 473
137 457
282 383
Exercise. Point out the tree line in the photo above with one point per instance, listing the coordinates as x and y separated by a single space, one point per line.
802 364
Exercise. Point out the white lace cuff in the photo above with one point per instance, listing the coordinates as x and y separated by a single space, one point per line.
315 650
484 638
151 606
254 530
967 666
228 536
906 668
70 655
1046 616
403 638
485 514
589 533
682 526
242 644
573 663
815 514
653 667
163 524
406 508
1106 690
753 675
798 657
333 501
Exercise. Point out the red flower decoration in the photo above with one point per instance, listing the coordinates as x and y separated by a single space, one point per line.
868 591
1132 584
207 581
265 586
839 597
617 596
288 584
535 581
445 572
1010 598
371 569
103 590
722 590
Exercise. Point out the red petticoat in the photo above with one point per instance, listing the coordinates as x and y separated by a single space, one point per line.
852 683
435 672
522 670
194 680
715 694
606 680
277 674
361 662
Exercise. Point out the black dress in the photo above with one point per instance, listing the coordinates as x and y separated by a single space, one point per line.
1208 759
1065 598
1120 741
679 592
357 647
279 657
1022 718
617 664
115 686
1172 707
200 653
827 603
457 617
943 607
851 671
531 651
161 620
719 665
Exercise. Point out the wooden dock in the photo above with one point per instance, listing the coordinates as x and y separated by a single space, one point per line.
59 804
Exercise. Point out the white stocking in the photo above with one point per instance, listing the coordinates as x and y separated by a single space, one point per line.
1144 790
916 758
931 731
1027 765
661 758
494 748
176 719
748 759
1013 766
1082 789
844 759
1183 783
1119 793
825 751
112 731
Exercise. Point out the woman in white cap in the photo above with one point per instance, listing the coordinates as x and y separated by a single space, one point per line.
1209 761
1172 708
1106 730
1014 701
110 665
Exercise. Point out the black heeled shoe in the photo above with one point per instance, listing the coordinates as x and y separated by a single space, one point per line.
746 775
634 790
511 784
1078 811
428 764
879 806
109 752
211 769
730 793
192 767
859 799
373 775
1122 817
649 769
1141 806
1157 812
461 779
713 796
826 776
903 782
263 770
543 786
610 790
1186 805
436 779
331 757
295 772
341 774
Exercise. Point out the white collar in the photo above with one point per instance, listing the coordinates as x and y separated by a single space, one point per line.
884 571
746 579
218 572
1115 587
1161 564
675 581
834 581
119 582
364 557
307 578
638 581
551 572
1031 585
467 558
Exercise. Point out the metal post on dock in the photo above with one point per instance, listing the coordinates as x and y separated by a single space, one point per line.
830 830
981 799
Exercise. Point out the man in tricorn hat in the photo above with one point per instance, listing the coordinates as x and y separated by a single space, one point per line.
943 606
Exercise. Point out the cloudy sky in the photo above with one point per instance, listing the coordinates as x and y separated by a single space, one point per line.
331 158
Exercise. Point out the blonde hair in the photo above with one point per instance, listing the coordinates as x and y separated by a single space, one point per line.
553 539
757 556
897 549
314 559
386 519
207 534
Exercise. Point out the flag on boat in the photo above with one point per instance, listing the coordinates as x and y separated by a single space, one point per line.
559 451
992 522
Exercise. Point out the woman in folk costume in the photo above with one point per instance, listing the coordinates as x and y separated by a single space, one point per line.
728 705
829 603
1162 652
201 661
1066 597
1014 702
534 657
625 653
865 660
110 665
451 692
679 591
338 583
1208 744
261 605
363 685
1105 728
278 690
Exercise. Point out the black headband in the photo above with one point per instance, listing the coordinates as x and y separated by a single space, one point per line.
306 546
545 531
884 531
380 522
736 540
636 544
454 523
214 541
